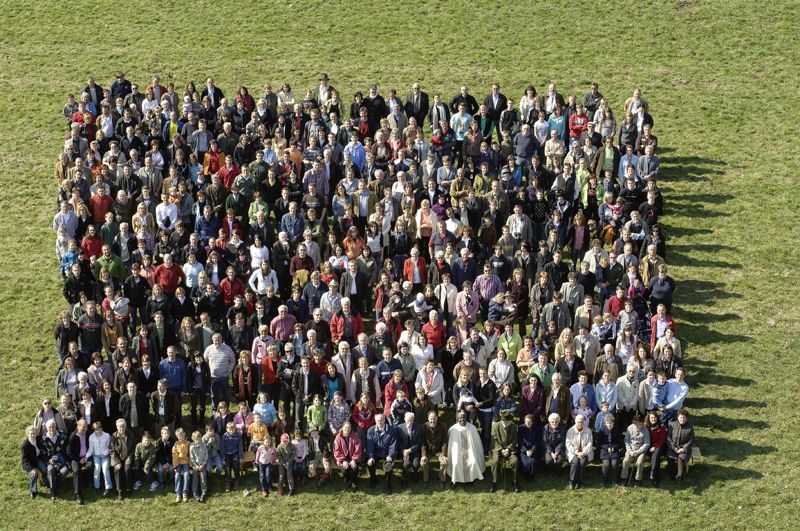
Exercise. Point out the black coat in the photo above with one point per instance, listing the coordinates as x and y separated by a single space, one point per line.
314 385
142 409
610 443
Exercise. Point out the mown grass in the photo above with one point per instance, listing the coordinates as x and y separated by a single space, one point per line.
721 78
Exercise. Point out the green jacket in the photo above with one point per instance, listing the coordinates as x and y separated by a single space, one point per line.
145 457
114 265
317 417
286 453
504 438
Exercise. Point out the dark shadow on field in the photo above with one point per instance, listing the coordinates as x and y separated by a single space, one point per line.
695 291
684 259
681 232
705 247
701 335
690 168
710 403
731 450
703 475
692 199
714 422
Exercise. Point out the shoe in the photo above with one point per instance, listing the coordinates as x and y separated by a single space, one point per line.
79 499
177 498
119 495
387 491
53 497
571 485
353 487
97 491
291 492
578 485
516 488
637 483
137 485
203 498
154 486
185 497
264 494
493 487
33 494
280 491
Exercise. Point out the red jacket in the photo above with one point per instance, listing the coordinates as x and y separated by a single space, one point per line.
658 436
92 246
228 175
390 393
653 329
99 205
435 334
230 289
337 325
168 278
578 124
615 305
346 450
408 270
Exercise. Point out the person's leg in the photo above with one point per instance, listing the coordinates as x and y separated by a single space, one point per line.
98 469
573 471
626 464
495 468
682 462
33 481
388 472
604 472
640 467
373 480
76 477
52 479
655 466
614 467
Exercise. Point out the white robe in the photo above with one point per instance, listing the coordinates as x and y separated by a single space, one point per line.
465 461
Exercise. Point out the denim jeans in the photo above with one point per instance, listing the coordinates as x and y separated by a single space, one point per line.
182 479
215 461
265 477
219 391
102 465
162 475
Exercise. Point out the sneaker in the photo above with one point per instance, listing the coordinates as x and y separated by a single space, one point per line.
264 494
154 486
185 497
177 498
137 485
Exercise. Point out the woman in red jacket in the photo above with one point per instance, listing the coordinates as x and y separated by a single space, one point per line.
414 270
390 392
658 440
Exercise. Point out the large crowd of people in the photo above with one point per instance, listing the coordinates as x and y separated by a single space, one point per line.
278 289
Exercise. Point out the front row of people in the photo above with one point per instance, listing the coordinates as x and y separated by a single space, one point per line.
409 446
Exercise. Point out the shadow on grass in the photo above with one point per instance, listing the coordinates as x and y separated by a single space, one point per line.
703 247
712 403
703 476
715 422
683 232
681 258
731 450
694 291
694 199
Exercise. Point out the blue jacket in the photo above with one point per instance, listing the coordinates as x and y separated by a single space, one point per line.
232 444
462 272
175 373
206 229
381 444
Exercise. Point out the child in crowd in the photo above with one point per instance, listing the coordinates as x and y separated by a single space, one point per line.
198 461
213 442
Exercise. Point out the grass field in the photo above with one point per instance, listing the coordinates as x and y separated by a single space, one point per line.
722 82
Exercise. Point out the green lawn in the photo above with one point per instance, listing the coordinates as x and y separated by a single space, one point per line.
721 79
